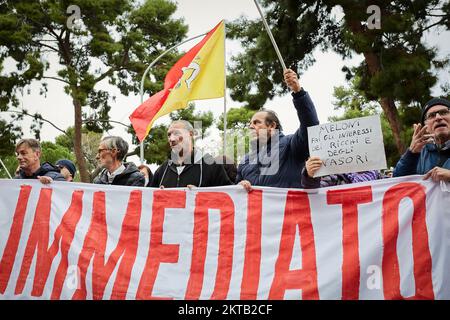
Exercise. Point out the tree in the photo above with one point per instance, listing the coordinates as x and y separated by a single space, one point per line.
90 142
9 135
397 67
52 152
237 118
113 41
156 148
352 101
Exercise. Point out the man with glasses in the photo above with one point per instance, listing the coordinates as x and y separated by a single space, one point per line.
110 155
429 152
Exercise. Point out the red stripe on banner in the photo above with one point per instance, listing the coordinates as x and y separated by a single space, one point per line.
15 232
203 202
39 233
252 263
421 250
66 232
297 213
158 251
94 246
38 241
349 199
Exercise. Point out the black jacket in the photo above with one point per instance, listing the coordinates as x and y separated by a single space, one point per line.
203 173
46 169
131 176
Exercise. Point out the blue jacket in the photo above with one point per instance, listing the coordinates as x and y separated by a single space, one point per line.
420 163
291 151
46 169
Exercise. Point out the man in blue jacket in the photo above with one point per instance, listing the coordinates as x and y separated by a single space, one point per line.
277 160
28 154
429 152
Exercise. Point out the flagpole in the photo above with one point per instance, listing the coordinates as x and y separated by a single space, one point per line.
270 36
224 91
4 167
147 71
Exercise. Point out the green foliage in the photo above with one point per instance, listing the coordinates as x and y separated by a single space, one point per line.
66 140
354 104
11 164
90 143
52 152
115 40
237 118
301 26
399 68
9 135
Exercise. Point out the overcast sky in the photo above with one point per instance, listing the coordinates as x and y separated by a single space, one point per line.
201 16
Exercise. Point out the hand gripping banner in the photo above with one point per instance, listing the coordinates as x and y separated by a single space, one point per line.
388 239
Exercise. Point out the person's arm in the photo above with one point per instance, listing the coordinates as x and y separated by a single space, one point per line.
309 182
306 113
54 176
312 165
407 165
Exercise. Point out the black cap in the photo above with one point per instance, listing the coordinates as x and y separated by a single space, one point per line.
434 102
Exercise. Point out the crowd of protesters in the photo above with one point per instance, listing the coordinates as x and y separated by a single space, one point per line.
275 159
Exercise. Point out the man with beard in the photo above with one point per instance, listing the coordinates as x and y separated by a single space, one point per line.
277 160
429 152
187 167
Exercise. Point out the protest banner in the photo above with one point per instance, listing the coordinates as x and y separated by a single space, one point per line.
351 145
387 239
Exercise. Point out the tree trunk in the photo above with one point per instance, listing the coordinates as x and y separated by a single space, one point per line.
77 145
387 103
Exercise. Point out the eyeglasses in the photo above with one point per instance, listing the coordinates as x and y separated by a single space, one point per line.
432 115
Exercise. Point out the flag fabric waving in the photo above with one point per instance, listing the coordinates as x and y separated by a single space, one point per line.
199 74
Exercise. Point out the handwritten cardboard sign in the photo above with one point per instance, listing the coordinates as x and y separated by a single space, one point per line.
346 146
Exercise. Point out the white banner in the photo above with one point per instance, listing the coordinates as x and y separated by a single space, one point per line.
388 239
350 145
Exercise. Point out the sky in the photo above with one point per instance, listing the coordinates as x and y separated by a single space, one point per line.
201 16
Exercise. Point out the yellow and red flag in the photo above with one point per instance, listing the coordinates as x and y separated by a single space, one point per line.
199 74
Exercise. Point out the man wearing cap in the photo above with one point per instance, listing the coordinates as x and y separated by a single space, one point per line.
67 168
429 152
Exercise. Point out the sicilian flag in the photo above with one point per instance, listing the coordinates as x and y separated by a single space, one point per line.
199 74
